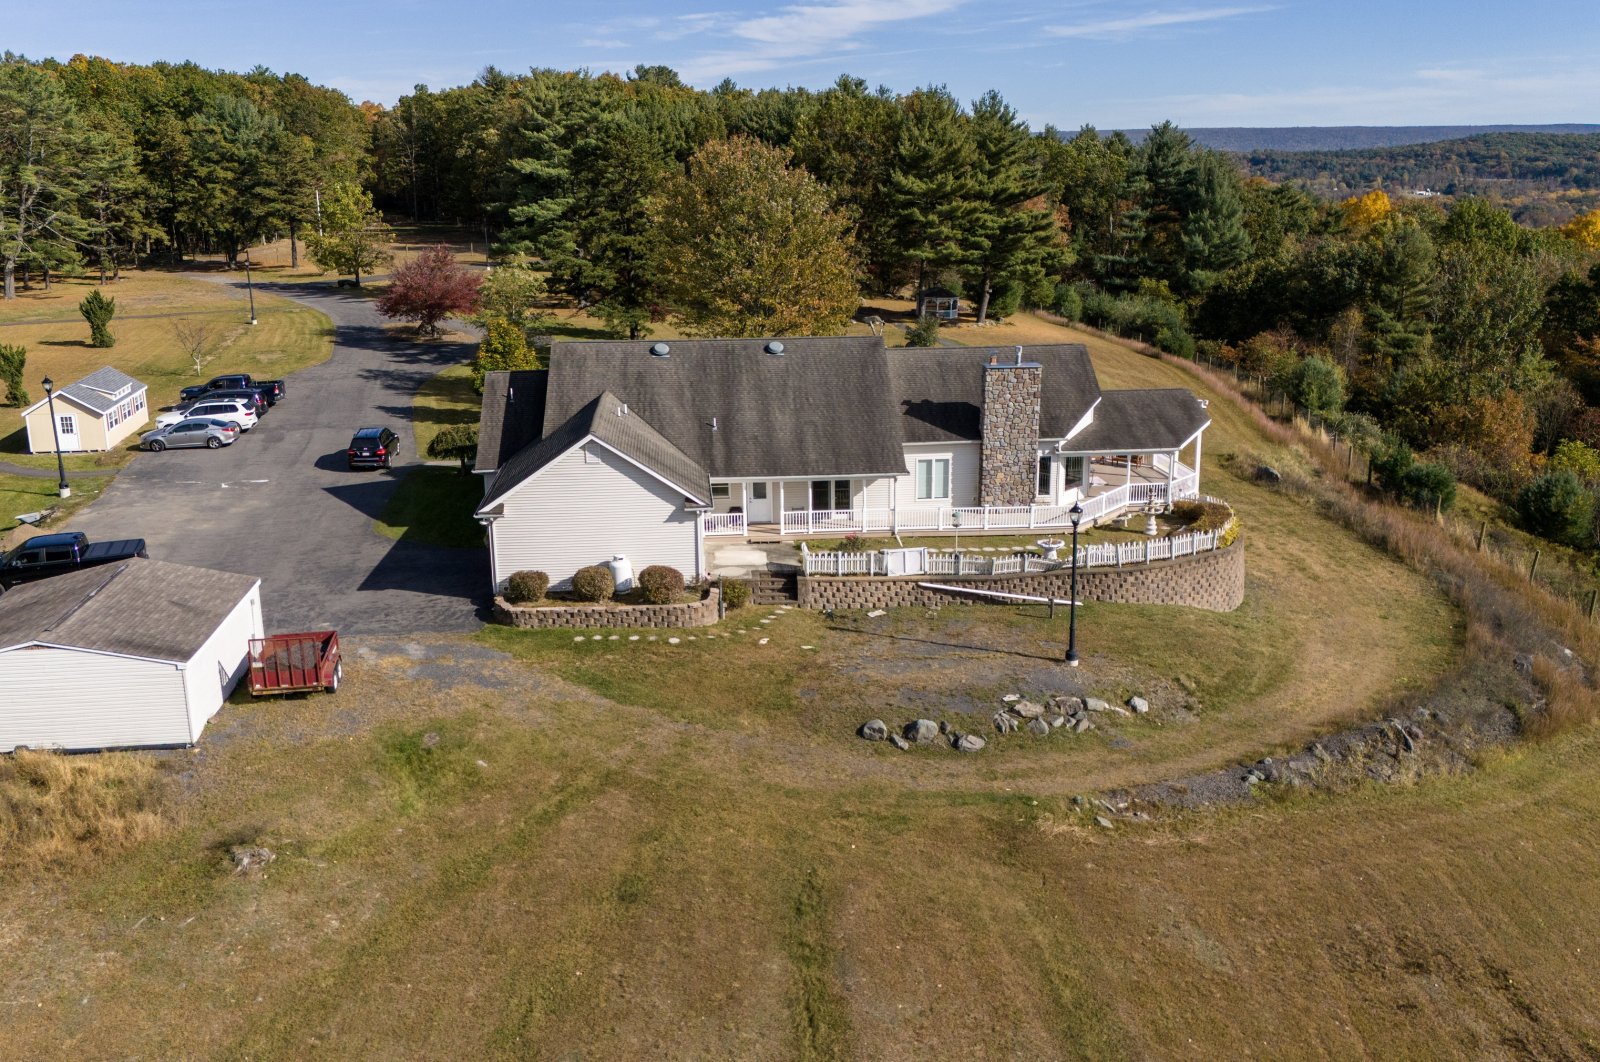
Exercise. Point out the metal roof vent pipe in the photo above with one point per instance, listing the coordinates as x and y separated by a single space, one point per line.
660 350
774 347
1019 354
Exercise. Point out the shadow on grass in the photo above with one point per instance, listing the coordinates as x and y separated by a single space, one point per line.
433 506
1041 613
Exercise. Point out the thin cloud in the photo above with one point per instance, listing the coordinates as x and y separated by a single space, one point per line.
1124 27
805 34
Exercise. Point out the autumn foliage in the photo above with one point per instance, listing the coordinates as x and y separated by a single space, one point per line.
1365 211
429 289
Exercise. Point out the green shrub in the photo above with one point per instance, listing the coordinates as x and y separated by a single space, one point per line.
593 583
1176 342
925 333
1202 515
459 441
97 310
1579 458
1556 506
1068 302
1005 299
1317 386
1391 460
1427 485
522 587
735 593
13 360
660 584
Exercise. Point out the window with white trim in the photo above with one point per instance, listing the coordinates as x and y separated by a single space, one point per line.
69 424
933 478
1043 487
719 490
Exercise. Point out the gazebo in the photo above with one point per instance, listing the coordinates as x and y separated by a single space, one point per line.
939 303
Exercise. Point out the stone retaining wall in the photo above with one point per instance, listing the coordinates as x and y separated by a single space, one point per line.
1213 581
702 613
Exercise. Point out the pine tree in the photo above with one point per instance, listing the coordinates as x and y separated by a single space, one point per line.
41 178
930 183
1214 235
13 360
1012 235
98 310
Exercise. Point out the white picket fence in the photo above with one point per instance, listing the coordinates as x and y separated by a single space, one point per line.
923 561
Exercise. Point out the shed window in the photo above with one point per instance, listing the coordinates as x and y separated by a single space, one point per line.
69 424
933 479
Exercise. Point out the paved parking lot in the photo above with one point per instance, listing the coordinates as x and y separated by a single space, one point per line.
279 503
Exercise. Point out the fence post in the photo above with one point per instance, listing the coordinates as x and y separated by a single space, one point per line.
1533 568
722 598
1483 529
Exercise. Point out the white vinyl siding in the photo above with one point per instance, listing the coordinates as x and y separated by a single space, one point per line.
74 699
581 510
877 493
226 653
964 460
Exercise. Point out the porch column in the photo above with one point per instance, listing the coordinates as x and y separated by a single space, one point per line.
1172 476
1197 440
894 506
783 506
1129 459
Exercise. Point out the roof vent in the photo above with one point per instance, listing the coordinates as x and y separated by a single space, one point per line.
660 350
774 347
622 410
1019 354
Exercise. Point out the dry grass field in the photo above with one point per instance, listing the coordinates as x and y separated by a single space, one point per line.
521 845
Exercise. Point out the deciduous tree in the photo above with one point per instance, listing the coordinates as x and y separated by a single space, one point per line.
353 238
430 288
749 247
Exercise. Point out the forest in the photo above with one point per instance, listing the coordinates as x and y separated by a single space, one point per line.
1440 334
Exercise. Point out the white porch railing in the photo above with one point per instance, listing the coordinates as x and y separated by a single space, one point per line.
722 524
965 518
933 562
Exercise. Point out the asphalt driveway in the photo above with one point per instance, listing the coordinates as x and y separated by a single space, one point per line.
279 503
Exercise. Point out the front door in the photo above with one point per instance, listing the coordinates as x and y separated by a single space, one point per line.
67 426
757 504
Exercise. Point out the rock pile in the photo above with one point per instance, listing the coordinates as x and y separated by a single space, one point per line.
1017 713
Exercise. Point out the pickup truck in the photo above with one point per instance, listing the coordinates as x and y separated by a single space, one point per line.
269 390
45 555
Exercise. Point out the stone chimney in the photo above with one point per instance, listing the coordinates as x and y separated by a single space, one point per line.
1011 389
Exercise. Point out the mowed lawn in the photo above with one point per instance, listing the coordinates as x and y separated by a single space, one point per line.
286 338
525 845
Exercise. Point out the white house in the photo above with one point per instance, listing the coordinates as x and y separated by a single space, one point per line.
95 413
140 653
645 449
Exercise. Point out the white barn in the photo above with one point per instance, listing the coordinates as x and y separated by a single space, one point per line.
135 654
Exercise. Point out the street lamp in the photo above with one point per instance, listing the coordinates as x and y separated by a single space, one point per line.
55 433
1075 514
955 522
249 286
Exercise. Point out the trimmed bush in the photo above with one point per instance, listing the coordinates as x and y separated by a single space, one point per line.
1555 506
735 593
593 583
660 584
1202 515
522 587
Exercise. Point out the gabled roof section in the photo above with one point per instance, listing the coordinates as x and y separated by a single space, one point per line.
823 407
1146 419
611 422
99 392
513 415
137 607
939 391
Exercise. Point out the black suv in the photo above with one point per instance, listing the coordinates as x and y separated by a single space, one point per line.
373 448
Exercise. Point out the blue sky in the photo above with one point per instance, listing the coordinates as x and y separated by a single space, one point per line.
1113 64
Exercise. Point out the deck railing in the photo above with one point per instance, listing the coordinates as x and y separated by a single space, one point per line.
923 561
723 523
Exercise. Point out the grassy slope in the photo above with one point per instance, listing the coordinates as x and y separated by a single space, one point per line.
644 851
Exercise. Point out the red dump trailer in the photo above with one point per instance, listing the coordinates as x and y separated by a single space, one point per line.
295 663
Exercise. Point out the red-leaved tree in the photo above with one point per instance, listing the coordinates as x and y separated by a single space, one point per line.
429 289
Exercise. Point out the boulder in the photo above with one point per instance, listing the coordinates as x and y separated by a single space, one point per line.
250 859
1095 704
1005 722
1269 475
899 742
874 730
1103 822
921 731
1139 704
1057 722
1038 727
1082 725
1012 698
1067 704
969 743
1027 710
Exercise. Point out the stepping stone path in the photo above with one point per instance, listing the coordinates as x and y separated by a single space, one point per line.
672 641
764 641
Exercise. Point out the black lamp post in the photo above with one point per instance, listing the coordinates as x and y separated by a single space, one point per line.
249 286
55 433
1075 514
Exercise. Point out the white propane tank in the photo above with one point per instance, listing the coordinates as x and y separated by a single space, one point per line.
621 573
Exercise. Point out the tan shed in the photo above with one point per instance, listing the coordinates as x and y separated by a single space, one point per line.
96 413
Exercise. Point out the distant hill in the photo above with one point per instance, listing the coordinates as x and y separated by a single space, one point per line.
1244 139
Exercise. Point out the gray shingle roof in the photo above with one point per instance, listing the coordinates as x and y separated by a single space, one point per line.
625 432
512 417
138 607
824 407
96 389
939 391
1147 419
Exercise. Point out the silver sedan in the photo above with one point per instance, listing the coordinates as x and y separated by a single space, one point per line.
199 431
